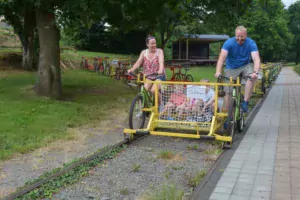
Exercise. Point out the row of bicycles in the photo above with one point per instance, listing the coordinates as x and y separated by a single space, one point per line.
117 69
104 66
223 125
267 75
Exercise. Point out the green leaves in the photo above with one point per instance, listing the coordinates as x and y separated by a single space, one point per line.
294 26
267 25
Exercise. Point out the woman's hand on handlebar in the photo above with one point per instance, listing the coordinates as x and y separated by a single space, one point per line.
160 72
130 73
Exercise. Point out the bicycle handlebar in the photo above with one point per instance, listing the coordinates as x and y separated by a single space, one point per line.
241 77
153 74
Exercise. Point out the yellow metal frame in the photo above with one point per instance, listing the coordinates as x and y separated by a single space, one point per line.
210 128
257 89
266 68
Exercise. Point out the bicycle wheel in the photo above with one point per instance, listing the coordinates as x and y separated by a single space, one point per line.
230 124
118 73
140 116
82 65
107 70
124 77
189 78
240 114
95 66
177 77
263 85
240 122
101 69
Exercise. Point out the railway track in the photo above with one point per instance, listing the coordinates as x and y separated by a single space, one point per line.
102 156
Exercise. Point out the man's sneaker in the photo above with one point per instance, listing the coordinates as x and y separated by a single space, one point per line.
245 106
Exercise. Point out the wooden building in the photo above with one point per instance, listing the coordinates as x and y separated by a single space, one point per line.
194 48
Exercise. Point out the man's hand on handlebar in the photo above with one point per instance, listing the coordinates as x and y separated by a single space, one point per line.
254 75
217 74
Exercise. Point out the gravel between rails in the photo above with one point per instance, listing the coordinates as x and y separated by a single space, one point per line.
16 172
139 170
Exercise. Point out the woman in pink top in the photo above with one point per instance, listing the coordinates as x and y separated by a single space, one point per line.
152 60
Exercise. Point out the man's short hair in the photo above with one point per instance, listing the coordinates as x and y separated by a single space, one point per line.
241 28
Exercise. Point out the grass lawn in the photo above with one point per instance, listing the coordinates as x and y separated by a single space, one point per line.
296 68
11 50
28 121
198 73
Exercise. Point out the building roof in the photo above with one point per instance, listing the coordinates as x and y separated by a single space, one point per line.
205 37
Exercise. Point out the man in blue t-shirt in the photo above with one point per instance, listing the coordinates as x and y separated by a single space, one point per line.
237 51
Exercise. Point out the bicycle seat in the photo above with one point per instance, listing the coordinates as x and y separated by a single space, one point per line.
187 69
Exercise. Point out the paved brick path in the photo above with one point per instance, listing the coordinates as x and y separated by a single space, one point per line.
266 165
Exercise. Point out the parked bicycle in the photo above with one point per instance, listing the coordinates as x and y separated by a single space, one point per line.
85 65
101 65
236 116
185 77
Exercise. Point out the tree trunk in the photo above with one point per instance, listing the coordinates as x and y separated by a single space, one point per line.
169 34
162 39
165 40
297 57
49 74
28 59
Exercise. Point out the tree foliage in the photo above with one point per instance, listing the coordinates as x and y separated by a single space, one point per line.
47 17
294 27
266 22
268 27
84 22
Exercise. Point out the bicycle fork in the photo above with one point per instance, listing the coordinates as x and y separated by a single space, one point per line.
237 104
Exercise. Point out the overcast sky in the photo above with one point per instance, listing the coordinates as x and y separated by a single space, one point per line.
288 2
